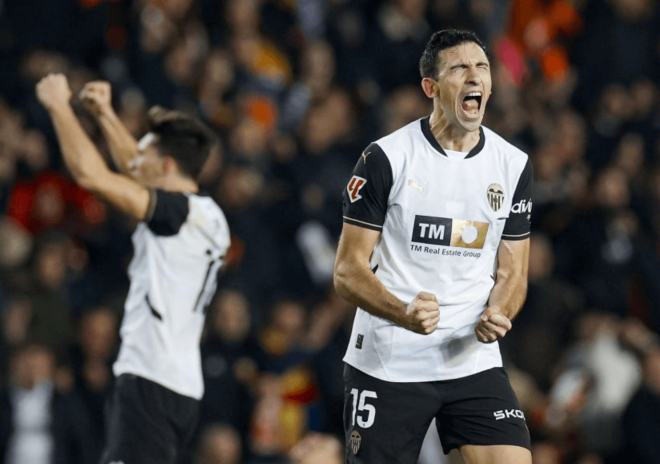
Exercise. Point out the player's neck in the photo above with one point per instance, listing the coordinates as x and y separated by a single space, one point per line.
176 183
451 136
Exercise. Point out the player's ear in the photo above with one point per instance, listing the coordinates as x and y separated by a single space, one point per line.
430 87
168 165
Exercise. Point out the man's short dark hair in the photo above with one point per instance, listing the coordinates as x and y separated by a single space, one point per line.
184 138
441 40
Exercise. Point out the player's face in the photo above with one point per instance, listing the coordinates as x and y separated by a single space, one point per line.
464 84
149 167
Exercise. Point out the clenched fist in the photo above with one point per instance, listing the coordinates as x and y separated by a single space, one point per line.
96 97
53 91
423 314
492 326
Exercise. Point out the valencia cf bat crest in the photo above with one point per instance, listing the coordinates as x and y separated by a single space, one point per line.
356 441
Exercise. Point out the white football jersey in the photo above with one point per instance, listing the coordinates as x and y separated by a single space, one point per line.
441 220
178 251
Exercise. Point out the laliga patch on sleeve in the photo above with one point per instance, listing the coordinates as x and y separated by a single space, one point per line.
354 186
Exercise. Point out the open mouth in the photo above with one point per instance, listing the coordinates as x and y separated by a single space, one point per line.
472 103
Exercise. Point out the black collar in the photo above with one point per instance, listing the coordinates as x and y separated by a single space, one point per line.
426 130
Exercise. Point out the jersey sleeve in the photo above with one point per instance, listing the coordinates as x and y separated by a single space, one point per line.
167 212
366 194
517 225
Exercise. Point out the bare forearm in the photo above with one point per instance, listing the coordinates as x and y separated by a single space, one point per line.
123 146
360 286
79 153
509 293
509 299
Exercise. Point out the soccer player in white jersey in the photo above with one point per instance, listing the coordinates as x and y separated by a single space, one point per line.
434 251
179 246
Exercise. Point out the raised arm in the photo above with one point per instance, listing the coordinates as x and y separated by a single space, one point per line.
509 292
81 156
355 281
97 98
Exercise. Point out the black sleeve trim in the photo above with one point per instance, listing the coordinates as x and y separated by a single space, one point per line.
515 238
365 198
517 226
170 211
366 225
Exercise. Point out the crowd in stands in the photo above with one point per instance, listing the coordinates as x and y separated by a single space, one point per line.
296 89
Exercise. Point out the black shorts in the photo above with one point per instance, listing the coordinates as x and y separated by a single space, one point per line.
147 423
385 422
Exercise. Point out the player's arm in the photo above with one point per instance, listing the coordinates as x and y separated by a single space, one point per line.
81 156
355 281
509 292
97 98
510 289
365 207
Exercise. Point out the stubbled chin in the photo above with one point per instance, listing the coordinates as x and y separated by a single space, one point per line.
468 122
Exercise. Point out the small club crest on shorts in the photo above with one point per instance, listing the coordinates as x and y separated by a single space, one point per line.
356 441
495 194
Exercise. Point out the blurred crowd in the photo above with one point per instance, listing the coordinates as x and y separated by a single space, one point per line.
296 89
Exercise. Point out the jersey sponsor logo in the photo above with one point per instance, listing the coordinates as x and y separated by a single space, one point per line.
421 188
459 233
354 186
432 230
523 206
509 413
355 441
495 195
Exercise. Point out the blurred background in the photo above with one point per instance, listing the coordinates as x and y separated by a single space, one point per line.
297 89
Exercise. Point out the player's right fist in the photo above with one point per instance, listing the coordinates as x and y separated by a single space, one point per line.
96 97
423 313
53 91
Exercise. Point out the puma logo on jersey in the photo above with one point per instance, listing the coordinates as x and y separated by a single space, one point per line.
414 185
354 186
364 156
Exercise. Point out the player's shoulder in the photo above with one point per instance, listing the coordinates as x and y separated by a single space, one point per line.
503 146
205 205
207 217
400 141
394 148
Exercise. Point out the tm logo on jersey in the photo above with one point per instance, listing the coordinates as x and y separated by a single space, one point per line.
354 186
449 232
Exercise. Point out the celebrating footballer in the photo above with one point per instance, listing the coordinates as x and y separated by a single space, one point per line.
434 252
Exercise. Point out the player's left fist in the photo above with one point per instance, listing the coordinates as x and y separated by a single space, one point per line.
53 91
492 326
97 97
